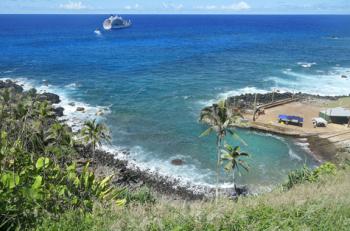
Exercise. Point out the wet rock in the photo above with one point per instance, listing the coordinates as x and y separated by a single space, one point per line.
133 177
81 109
100 113
177 162
58 111
71 104
53 98
239 191
11 84
344 76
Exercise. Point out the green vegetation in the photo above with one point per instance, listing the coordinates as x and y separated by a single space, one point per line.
342 102
38 176
93 134
42 188
320 205
232 156
220 123
308 175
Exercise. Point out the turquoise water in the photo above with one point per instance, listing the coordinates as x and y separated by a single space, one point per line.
153 78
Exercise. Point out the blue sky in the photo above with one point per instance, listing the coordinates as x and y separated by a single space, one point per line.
177 6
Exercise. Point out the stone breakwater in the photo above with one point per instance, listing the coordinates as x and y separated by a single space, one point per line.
246 101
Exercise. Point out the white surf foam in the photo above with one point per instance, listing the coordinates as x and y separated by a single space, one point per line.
225 95
72 86
72 117
306 64
187 175
328 83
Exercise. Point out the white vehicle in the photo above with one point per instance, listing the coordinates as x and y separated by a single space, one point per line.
319 122
116 22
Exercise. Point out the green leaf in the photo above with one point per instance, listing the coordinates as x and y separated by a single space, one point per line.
42 162
4 179
105 181
228 147
206 132
76 182
226 156
72 167
229 166
121 202
37 183
10 180
244 165
244 154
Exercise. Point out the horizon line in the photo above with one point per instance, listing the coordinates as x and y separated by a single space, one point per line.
242 14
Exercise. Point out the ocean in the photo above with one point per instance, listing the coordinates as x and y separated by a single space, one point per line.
151 80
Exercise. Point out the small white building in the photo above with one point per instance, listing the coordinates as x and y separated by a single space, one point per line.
338 115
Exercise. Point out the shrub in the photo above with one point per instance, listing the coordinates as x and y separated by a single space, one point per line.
308 175
142 196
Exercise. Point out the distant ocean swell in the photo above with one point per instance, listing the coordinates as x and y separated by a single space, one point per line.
318 82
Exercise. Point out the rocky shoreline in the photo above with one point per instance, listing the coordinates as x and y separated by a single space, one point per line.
106 163
132 177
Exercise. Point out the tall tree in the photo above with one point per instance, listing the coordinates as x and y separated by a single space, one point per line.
232 156
216 116
94 134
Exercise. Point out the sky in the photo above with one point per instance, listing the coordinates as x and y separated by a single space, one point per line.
175 6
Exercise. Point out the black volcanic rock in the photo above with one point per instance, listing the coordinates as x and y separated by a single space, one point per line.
53 98
11 84
58 111
177 162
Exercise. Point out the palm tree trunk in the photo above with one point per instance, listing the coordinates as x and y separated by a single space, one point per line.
233 179
218 146
93 157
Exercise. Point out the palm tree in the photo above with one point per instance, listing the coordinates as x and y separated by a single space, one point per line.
93 134
59 141
59 134
233 158
44 110
219 122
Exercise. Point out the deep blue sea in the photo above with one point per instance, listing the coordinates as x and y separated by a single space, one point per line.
152 79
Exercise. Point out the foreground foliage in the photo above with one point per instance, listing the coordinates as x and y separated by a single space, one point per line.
38 178
308 175
321 205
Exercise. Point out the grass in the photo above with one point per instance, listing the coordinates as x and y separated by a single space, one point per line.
342 102
322 205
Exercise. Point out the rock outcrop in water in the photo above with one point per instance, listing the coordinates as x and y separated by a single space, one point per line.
53 98
58 111
11 84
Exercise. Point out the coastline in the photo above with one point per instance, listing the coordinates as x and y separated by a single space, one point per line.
130 175
126 173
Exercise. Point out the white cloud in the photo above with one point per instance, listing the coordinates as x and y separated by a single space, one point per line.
133 7
173 6
241 6
207 7
73 6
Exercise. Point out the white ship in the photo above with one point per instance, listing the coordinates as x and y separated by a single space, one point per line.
116 22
